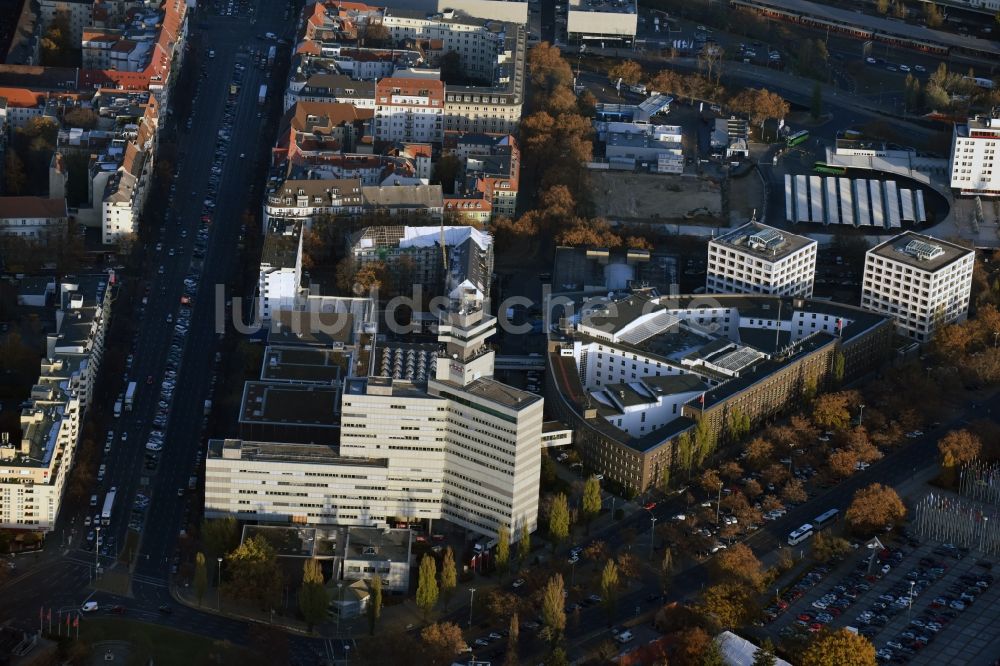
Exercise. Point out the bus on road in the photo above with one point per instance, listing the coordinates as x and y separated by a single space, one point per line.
826 518
800 535
797 138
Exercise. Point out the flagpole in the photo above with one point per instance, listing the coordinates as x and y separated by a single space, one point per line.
59 623
76 623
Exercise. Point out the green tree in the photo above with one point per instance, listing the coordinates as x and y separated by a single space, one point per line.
765 654
704 441
449 576
554 610
686 452
253 574
524 543
837 370
313 598
14 174
427 586
557 657
374 609
503 550
200 576
816 105
591 500
664 483
882 6
220 536
559 520
737 424
712 656
609 588
933 16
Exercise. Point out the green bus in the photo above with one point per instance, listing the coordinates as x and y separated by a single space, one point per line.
823 167
798 138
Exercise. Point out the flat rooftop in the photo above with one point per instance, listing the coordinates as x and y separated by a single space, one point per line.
305 365
376 544
606 6
763 241
925 253
497 392
290 404
276 452
311 328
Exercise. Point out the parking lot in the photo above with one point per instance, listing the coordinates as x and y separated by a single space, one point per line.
912 600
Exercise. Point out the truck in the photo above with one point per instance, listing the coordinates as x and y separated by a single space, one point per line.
262 95
130 397
118 408
271 52
233 89
109 505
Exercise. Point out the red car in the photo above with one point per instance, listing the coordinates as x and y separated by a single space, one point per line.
806 617
650 506
815 626
118 610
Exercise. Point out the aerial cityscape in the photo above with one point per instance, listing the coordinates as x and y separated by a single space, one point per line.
499 332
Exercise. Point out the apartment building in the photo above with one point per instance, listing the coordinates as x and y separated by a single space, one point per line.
302 200
758 259
126 190
306 85
492 168
279 280
975 157
318 129
37 218
34 470
919 281
631 373
409 108
79 14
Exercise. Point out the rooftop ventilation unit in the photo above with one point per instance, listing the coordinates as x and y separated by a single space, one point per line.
765 239
918 249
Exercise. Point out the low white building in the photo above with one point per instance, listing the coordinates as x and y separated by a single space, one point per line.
36 218
603 21
920 281
758 259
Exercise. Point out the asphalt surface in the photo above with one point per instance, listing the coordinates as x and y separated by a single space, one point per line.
59 578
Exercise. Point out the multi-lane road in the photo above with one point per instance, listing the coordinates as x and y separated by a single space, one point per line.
60 577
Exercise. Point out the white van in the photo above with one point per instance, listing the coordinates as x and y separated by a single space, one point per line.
93 500
624 637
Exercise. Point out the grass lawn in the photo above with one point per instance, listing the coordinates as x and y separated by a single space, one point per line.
165 646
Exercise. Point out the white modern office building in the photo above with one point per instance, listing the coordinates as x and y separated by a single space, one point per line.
920 281
758 259
975 157
602 22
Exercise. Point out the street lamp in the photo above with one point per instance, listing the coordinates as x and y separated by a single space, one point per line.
472 597
218 587
861 413
718 504
97 551
652 533
347 649
909 605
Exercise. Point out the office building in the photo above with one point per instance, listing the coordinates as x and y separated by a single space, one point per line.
975 160
606 22
630 373
758 259
921 282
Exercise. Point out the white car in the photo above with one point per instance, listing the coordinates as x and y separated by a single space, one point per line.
518 583
89 606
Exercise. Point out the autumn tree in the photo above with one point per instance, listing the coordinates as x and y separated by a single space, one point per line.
794 492
738 562
710 481
503 550
252 573
82 117
609 588
547 68
374 607
427 586
591 500
597 550
690 644
200 576
524 545
313 598
449 576
500 604
831 411
842 463
666 569
731 470
513 630
728 604
826 547
839 647
14 176
559 520
629 71
959 447
882 6
933 15
442 641
759 452
553 610
873 508
764 656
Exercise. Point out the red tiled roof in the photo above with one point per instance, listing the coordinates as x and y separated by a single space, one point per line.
43 207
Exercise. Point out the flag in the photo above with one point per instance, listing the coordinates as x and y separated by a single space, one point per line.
76 621
40 614
67 624
50 614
